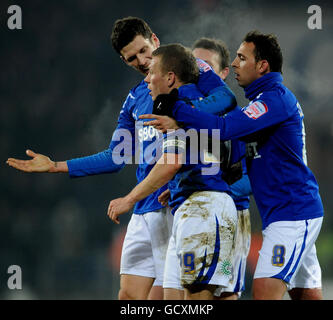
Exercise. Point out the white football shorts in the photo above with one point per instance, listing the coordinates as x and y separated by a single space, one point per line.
242 248
202 244
145 245
288 253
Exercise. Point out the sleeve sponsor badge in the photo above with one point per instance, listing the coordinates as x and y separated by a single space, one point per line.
256 109
203 66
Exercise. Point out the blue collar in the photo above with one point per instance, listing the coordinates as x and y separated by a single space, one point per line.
264 83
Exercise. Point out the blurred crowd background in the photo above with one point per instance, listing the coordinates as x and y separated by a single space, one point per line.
62 87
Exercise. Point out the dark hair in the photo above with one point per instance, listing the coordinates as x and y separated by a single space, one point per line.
266 48
180 60
125 30
217 46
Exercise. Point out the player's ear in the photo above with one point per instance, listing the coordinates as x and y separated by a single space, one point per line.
155 40
171 78
264 66
123 59
224 73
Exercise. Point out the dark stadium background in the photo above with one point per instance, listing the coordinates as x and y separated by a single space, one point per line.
62 86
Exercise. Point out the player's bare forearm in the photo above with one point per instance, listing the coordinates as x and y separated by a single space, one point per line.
163 171
61 166
38 163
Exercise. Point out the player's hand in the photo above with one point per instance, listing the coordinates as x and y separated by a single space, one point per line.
162 123
118 207
163 198
38 163
164 103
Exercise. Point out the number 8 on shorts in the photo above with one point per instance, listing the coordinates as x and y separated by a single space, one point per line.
278 255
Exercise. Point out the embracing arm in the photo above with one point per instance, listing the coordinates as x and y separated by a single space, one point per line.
219 101
240 122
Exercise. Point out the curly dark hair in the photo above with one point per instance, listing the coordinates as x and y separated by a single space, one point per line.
266 48
126 29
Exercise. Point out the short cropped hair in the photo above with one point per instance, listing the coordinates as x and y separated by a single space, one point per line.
217 46
125 30
266 48
180 60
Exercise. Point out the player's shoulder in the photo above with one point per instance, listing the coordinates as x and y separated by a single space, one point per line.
272 96
139 89
135 95
278 95
280 99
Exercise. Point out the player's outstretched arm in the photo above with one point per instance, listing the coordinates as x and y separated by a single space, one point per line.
38 163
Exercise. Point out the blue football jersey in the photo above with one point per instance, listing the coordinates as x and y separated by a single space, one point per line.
283 186
131 136
191 177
